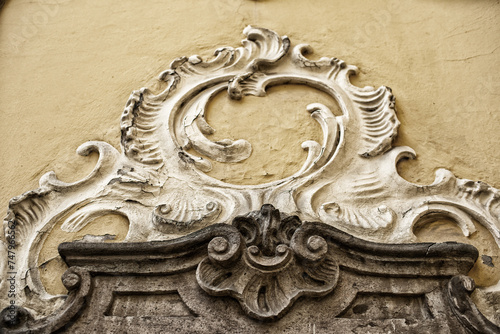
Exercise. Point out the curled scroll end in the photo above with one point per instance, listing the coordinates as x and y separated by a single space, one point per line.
459 289
108 155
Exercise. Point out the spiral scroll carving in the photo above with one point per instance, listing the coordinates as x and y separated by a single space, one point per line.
274 268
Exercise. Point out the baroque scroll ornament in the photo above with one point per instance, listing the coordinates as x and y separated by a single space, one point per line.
276 267
349 180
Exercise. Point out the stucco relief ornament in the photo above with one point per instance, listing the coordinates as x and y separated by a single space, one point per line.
159 181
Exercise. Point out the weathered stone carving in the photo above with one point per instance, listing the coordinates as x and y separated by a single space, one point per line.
464 309
155 286
19 320
275 267
349 180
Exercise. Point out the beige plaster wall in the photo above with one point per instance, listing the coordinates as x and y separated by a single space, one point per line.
67 68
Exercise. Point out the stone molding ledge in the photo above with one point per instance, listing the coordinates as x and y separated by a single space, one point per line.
282 272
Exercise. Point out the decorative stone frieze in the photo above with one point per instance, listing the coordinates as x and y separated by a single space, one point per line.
267 261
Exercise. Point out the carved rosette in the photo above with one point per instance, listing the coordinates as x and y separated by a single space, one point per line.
273 267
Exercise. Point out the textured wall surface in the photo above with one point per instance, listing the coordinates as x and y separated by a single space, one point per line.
67 68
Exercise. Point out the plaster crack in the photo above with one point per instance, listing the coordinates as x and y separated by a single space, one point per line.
475 56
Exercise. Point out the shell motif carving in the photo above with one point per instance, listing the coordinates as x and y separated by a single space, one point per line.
272 268
158 180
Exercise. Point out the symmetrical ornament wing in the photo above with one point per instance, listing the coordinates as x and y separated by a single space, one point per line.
159 182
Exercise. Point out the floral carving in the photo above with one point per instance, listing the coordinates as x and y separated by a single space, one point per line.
273 269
